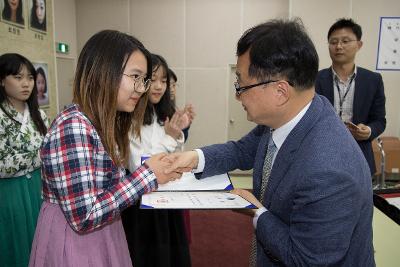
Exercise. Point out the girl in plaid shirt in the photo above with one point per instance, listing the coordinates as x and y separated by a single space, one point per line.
158 236
84 154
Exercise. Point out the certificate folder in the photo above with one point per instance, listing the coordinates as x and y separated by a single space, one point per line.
194 200
191 193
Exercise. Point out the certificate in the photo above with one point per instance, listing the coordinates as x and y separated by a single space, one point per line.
188 182
194 200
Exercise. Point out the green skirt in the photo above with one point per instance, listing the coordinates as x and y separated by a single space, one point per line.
20 201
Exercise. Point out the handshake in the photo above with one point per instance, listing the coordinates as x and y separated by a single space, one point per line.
169 167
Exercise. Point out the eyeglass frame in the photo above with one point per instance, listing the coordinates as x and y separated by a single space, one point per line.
343 42
176 84
145 83
240 90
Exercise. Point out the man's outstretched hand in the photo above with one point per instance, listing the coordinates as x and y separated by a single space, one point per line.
182 162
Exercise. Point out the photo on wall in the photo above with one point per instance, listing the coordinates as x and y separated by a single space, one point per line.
37 15
12 12
42 75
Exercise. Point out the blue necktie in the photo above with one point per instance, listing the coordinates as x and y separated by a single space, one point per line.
271 150
267 167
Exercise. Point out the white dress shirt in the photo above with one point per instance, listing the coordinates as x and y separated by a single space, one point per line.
346 97
278 136
153 140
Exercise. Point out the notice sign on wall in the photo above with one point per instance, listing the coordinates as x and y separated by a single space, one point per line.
389 44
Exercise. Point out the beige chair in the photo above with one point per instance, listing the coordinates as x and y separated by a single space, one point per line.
391 148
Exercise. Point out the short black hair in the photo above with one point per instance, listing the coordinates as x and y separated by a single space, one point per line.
281 48
346 23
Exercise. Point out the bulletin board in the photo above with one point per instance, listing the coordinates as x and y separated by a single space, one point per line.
32 38
389 44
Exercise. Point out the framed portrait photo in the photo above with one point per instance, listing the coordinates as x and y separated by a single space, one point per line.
37 15
12 12
42 75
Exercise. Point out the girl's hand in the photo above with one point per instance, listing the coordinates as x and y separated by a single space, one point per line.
187 116
189 111
158 164
173 127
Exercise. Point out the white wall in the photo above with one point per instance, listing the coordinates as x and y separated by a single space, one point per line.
65 32
95 15
198 39
65 26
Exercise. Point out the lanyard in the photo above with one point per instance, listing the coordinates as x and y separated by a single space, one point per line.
341 99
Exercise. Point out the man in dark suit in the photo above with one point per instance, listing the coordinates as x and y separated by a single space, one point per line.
311 182
357 94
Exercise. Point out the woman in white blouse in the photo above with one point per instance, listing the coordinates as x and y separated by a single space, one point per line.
162 126
157 237
22 127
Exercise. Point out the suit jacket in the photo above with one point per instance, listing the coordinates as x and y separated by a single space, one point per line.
319 194
368 104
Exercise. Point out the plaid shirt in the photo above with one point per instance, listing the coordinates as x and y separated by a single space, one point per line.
80 176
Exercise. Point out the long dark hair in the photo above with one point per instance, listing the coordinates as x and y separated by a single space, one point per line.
97 79
165 108
11 64
172 76
35 20
7 12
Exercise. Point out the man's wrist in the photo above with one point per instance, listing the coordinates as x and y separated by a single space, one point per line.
200 161
370 131
257 215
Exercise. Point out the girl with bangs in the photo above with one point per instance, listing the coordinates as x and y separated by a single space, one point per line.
84 154
22 127
157 237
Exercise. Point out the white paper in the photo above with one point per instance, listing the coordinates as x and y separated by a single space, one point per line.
395 201
188 182
194 200
389 44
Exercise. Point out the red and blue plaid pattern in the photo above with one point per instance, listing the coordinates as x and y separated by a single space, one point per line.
80 176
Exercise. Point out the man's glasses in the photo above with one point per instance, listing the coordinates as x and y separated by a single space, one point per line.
240 90
139 82
343 42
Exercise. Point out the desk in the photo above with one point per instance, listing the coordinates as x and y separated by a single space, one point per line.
386 240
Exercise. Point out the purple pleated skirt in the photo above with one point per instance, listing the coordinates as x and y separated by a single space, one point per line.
56 244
